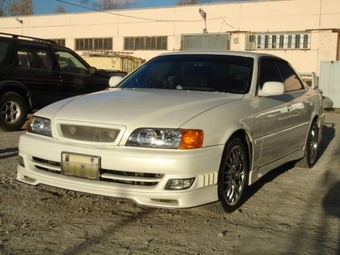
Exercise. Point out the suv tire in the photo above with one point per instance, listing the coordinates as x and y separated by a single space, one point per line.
13 112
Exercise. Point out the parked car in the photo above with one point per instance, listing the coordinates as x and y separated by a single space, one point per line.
35 72
312 80
184 129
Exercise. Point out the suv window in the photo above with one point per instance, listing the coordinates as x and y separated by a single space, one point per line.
70 64
3 51
34 58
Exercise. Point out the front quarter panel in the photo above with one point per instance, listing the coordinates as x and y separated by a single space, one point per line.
220 123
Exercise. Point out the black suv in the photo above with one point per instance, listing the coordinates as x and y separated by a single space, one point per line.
35 72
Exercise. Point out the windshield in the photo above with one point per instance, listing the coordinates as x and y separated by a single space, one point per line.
203 72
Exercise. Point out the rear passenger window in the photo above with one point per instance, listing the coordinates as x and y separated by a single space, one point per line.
3 51
290 79
34 58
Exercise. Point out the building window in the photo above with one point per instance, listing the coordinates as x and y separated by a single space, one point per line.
146 43
251 38
297 41
289 44
266 43
93 44
258 42
273 41
278 41
59 41
281 42
305 41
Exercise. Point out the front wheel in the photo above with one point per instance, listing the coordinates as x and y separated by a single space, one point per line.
233 176
13 112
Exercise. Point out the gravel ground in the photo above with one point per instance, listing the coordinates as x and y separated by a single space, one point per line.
289 211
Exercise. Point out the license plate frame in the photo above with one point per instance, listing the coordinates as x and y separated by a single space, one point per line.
80 165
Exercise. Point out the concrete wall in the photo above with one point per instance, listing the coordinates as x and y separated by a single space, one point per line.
321 17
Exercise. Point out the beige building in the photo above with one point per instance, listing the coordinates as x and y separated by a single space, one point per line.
305 32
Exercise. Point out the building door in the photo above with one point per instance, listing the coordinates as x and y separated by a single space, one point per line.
205 42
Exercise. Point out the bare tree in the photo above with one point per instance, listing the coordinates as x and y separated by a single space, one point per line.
187 2
2 13
109 5
19 7
113 4
3 4
60 9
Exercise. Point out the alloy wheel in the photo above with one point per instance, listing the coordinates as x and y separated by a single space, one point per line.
10 112
234 176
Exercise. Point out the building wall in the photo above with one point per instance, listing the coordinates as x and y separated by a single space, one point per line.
320 17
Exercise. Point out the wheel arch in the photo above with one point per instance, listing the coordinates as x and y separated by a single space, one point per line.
244 136
319 120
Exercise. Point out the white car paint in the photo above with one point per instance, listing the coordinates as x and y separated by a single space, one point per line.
273 124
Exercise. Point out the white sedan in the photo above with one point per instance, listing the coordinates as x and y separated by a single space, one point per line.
184 129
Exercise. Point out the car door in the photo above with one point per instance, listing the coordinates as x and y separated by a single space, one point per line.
75 75
277 117
302 103
34 68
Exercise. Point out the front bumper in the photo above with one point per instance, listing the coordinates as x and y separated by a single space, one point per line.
201 164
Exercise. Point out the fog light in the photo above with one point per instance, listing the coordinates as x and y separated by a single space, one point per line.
178 184
21 161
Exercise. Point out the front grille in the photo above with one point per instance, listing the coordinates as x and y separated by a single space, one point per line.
130 178
89 134
105 175
47 165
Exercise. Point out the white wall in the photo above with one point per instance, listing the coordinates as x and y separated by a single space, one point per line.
317 16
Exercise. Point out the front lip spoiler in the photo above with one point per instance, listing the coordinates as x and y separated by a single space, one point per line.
166 199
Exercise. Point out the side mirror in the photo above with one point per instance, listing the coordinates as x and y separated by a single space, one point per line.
271 88
93 70
114 81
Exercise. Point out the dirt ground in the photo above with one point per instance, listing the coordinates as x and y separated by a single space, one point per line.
289 211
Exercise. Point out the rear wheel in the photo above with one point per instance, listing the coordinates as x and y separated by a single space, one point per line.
233 177
13 112
311 148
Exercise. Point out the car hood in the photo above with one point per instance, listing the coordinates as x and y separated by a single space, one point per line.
144 107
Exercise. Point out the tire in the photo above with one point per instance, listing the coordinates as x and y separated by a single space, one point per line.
232 177
13 112
311 148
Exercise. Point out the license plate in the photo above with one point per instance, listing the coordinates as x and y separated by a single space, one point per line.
78 165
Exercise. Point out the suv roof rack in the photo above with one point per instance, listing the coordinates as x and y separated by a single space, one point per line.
29 37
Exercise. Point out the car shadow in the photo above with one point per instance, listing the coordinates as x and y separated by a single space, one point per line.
331 202
9 152
328 134
269 177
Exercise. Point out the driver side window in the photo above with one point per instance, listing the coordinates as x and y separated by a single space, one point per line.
70 64
290 79
268 72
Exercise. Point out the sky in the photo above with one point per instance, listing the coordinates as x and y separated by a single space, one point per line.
49 6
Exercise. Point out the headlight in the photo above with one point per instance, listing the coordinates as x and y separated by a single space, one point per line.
166 138
40 126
